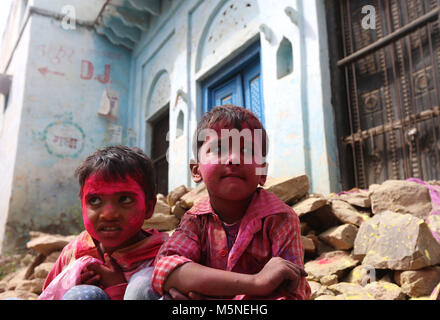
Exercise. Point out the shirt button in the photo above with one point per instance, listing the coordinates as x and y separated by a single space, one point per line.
223 253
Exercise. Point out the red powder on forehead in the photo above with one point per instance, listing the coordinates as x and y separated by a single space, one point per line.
96 185
225 124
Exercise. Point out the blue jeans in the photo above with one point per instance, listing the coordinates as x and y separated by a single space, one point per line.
138 288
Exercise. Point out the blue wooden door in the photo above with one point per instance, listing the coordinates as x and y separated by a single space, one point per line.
252 90
237 83
229 92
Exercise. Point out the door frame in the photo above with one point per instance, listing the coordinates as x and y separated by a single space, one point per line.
253 52
150 130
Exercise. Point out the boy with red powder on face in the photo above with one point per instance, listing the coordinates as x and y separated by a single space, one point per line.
113 257
241 242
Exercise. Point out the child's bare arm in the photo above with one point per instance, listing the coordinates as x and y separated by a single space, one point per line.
193 277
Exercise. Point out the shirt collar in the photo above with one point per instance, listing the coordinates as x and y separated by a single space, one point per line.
127 256
261 205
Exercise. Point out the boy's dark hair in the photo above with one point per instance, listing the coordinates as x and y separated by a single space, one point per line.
229 115
119 162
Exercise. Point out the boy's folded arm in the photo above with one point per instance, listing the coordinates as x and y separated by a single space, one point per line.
193 277
182 247
220 283
176 266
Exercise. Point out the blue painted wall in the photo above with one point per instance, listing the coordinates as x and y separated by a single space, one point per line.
195 39
67 72
66 76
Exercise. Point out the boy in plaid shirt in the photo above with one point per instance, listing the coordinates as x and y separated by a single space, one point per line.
241 242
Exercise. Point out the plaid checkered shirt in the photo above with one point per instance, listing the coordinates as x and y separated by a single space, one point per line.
269 228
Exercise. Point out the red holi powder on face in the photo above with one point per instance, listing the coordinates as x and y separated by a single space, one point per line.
96 185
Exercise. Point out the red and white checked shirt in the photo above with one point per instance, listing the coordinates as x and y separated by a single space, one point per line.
269 228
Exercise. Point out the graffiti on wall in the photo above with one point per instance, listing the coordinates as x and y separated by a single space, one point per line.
87 72
64 139
55 55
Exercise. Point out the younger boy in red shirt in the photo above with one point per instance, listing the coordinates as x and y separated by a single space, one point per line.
241 242
113 258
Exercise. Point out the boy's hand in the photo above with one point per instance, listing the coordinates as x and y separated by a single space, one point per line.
174 294
89 277
110 274
275 273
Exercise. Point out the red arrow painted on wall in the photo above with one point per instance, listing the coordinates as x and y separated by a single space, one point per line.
45 70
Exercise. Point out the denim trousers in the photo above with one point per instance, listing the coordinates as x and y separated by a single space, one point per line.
138 288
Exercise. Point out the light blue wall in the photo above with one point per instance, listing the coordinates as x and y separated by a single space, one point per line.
187 43
61 100
195 38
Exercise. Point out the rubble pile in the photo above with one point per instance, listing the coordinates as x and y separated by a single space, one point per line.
27 282
375 244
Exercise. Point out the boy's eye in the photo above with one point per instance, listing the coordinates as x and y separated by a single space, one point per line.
94 201
126 199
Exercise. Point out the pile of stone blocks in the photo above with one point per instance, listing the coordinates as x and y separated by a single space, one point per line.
359 244
374 244
371 244
27 282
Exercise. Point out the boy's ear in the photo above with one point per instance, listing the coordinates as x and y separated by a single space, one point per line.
263 177
195 173
151 204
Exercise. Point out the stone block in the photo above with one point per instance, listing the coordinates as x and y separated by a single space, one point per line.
418 283
328 280
340 237
318 290
288 190
16 278
162 207
178 210
321 219
346 213
188 199
359 198
176 194
41 271
309 205
335 262
381 290
23 295
330 297
361 275
351 291
401 196
309 245
47 243
161 222
396 241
